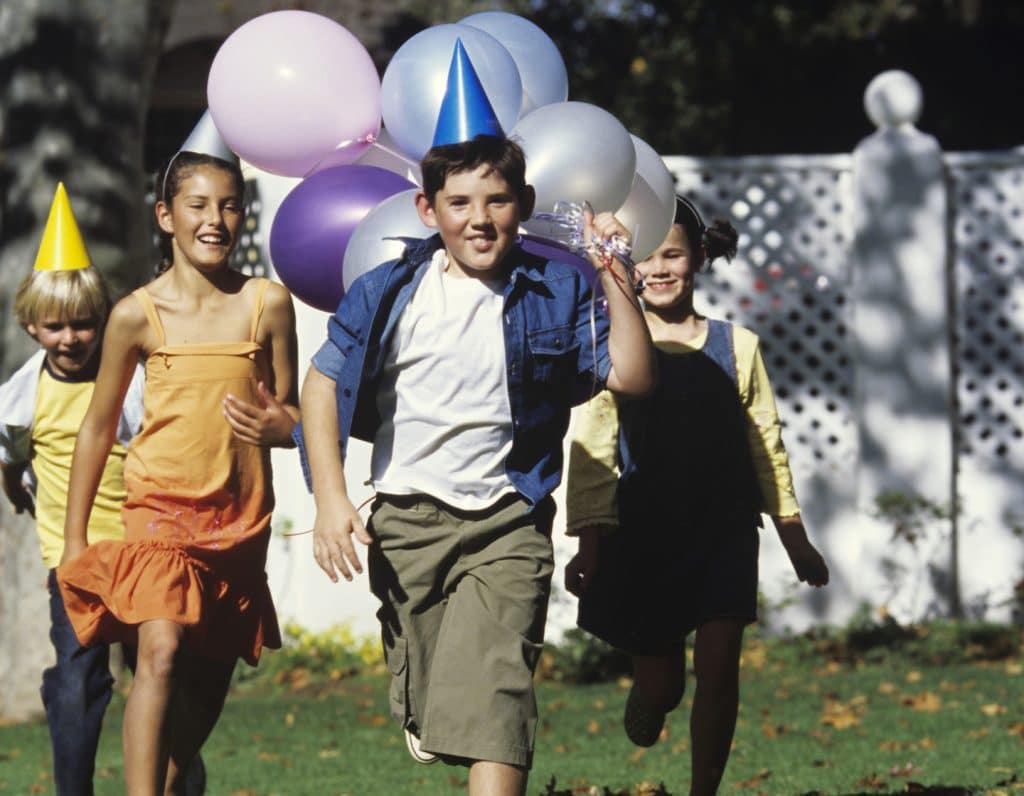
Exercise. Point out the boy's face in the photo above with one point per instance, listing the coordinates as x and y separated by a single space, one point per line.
478 214
69 344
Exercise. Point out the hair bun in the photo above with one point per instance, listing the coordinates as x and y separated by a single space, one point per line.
720 240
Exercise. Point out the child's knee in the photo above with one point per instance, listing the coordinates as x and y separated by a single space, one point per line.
158 656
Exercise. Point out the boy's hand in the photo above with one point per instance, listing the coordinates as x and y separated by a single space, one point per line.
20 497
332 539
580 571
270 424
604 226
807 562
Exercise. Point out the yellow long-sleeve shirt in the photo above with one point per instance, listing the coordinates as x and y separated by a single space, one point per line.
593 473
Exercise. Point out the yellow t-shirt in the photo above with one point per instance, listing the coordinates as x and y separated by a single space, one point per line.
60 409
593 474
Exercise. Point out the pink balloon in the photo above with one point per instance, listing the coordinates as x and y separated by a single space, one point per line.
289 88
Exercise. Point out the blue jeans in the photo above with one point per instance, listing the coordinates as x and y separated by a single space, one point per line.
75 693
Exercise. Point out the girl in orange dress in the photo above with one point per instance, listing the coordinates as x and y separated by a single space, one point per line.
188 584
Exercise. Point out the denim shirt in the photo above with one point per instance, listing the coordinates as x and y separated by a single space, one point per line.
550 347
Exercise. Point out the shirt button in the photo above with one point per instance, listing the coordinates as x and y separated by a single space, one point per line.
347 392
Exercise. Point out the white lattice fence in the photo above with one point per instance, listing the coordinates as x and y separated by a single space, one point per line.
789 283
987 194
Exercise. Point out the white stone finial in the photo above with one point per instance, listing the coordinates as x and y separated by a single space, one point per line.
893 99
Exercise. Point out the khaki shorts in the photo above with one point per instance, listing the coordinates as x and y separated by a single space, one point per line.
464 598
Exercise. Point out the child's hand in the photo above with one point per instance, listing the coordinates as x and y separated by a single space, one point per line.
332 538
73 548
20 497
604 226
580 571
807 562
270 424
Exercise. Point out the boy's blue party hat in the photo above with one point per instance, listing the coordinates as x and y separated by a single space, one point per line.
205 140
465 110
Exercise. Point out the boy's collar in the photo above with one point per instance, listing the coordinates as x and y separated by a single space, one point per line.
88 373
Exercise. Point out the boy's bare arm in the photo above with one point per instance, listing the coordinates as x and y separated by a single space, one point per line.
633 370
122 343
336 517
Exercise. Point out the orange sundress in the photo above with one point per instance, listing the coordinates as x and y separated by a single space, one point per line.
197 516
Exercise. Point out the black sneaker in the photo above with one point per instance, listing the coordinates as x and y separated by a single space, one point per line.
643 725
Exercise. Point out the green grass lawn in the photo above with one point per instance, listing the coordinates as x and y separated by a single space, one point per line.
805 726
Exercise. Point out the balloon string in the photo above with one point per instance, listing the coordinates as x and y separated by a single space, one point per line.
360 507
394 153
369 138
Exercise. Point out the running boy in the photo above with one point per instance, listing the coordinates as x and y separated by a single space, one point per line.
460 362
63 303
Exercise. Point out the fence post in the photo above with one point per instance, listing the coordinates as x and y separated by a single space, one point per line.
901 325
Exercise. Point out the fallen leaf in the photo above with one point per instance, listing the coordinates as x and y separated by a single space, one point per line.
887 688
925 702
913 676
903 771
289 720
639 753
755 780
593 726
1014 667
981 732
600 704
872 781
268 756
839 715
755 656
993 709
890 746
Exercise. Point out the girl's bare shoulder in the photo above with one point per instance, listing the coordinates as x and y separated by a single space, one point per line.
128 314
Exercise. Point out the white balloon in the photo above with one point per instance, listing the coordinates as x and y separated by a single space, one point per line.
416 78
395 217
651 205
540 64
576 152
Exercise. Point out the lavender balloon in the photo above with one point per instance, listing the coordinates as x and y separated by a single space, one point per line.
290 87
315 222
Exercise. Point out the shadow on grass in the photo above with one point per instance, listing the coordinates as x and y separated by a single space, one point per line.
646 789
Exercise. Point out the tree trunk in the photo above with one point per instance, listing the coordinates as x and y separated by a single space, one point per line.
75 78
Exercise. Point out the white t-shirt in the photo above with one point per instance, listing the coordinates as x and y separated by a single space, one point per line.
443 395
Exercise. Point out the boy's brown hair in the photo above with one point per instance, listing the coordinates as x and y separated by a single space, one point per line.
502 155
62 295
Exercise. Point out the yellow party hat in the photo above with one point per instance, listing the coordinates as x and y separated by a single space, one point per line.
62 247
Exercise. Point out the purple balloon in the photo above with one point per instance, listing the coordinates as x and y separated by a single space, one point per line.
550 250
314 223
